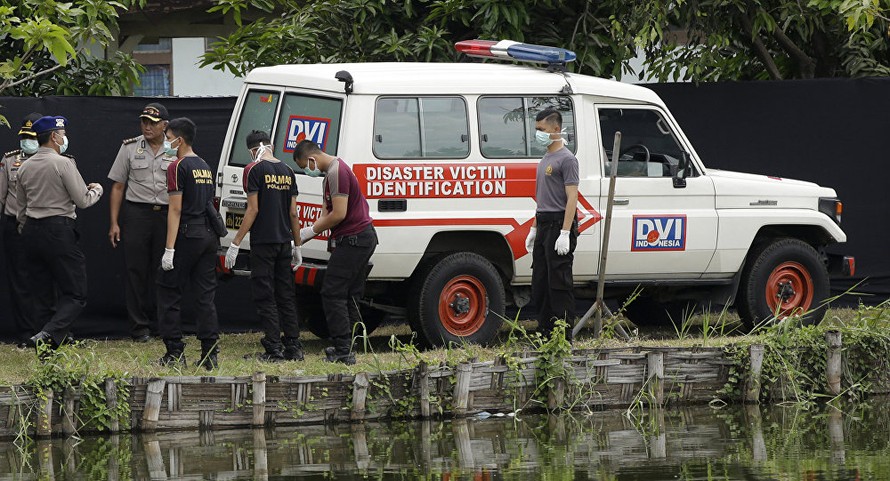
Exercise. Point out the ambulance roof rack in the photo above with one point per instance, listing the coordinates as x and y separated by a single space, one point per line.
555 58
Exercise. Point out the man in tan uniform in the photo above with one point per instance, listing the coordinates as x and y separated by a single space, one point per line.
14 251
140 170
49 189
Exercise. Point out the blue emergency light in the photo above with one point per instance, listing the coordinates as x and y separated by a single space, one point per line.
510 50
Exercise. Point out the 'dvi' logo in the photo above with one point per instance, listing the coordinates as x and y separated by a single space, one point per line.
659 233
300 128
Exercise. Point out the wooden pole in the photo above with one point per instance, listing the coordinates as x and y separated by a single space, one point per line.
752 383
45 416
423 378
462 389
69 417
556 394
655 361
153 395
259 399
834 362
359 396
111 402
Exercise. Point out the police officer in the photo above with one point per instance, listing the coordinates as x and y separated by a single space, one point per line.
140 169
48 191
190 248
352 242
14 251
271 218
554 232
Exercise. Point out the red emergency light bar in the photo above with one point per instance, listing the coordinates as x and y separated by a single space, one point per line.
510 50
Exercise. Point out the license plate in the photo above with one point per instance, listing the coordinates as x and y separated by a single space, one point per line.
233 220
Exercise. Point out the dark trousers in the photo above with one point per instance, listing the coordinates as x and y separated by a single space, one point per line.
344 283
194 264
20 299
143 234
552 273
274 294
57 274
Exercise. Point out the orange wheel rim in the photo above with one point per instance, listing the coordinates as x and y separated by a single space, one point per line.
790 290
463 305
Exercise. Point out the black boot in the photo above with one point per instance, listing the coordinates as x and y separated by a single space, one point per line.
293 349
341 351
174 354
209 351
274 352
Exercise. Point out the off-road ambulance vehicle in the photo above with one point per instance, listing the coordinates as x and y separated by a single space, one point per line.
446 156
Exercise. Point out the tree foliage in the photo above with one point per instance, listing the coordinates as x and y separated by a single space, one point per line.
45 46
700 40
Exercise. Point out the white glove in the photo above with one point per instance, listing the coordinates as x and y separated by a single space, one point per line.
97 188
306 233
562 243
232 255
530 239
296 257
167 259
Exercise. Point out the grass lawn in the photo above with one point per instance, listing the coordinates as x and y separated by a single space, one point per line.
389 348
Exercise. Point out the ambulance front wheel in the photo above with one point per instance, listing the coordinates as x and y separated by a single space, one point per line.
783 278
310 314
459 298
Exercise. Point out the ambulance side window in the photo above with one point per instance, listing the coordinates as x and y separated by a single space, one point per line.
306 117
649 147
421 127
257 113
507 125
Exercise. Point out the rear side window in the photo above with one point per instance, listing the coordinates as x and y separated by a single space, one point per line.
507 125
257 113
421 127
298 116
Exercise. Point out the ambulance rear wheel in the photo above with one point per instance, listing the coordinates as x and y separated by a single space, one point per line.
783 278
310 314
460 298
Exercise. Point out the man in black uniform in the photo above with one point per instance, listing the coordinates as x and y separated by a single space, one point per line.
271 218
352 243
20 300
554 233
193 243
139 174
49 188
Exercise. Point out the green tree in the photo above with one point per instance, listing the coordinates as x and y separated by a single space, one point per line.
758 39
45 46
701 40
410 30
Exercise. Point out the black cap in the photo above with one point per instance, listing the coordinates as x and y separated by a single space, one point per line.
155 112
27 123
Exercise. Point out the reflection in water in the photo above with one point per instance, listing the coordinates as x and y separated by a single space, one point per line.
701 443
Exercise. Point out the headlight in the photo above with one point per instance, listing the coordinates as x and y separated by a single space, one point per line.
832 208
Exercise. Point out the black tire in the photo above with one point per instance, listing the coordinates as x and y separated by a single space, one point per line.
311 314
468 290
785 276
646 311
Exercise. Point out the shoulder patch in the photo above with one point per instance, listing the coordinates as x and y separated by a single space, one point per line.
70 157
130 141
12 152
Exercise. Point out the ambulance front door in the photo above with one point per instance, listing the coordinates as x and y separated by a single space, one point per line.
659 230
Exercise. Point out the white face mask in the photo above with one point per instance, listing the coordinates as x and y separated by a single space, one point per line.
64 145
29 146
543 138
260 151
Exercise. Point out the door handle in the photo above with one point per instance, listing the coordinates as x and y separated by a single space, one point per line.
620 201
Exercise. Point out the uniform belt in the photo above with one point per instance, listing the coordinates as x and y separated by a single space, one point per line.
55 219
141 205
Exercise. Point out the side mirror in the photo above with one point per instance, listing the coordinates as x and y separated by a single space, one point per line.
681 172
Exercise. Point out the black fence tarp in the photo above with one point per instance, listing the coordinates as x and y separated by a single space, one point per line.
832 132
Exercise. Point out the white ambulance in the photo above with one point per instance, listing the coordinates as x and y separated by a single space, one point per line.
446 157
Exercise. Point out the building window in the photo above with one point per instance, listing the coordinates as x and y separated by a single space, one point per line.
162 45
155 81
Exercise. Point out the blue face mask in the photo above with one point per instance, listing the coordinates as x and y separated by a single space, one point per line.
316 172
168 148
64 145
29 146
